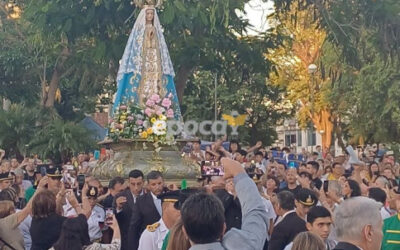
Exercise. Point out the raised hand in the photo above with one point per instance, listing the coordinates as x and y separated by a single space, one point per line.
120 201
231 167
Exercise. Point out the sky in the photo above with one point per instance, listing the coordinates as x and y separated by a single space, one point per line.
257 12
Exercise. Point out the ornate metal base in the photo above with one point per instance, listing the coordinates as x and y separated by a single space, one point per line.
139 154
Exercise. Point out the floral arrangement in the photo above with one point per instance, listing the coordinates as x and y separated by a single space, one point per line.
148 122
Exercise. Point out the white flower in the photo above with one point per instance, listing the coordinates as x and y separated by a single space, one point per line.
160 127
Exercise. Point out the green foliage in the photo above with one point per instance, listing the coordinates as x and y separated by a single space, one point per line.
59 140
24 130
377 114
251 95
18 78
202 36
348 23
360 63
17 128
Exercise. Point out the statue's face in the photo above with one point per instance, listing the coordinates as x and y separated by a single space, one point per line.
149 15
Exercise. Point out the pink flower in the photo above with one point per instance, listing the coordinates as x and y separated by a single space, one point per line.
130 118
166 103
148 111
158 112
150 103
139 122
170 113
155 98
122 107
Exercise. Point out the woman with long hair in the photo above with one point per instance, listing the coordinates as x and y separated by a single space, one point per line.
75 236
351 188
177 239
46 222
373 171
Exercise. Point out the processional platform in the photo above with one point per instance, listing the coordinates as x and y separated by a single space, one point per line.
129 154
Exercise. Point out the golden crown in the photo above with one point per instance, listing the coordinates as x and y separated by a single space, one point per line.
145 3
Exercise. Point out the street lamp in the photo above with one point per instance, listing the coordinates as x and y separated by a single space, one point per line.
312 68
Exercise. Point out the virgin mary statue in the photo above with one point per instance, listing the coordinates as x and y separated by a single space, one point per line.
146 67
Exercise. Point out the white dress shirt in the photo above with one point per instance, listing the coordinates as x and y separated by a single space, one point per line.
136 196
153 240
97 216
157 203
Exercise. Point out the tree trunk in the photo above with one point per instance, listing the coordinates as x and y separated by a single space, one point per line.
322 121
50 94
181 78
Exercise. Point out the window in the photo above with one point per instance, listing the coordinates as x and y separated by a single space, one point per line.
290 138
299 138
311 137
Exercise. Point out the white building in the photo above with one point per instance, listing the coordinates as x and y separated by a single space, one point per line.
290 134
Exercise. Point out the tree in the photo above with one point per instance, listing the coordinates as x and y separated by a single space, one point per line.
77 46
18 80
243 86
347 22
59 140
360 57
17 128
303 48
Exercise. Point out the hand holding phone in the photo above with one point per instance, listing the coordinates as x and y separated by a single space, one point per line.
109 217
120 201
43 171
43 182
326 184
81 181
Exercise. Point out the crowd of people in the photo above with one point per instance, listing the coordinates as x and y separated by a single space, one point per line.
263 198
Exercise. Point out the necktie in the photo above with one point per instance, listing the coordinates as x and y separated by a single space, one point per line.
157 202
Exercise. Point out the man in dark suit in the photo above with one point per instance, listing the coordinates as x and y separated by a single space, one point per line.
233 211
290 223
115 186
147 209
358 224
124 202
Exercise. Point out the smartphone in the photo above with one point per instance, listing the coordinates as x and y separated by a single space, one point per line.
66 182
96 154
326 184
43 169
81 180
211 168
109 216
